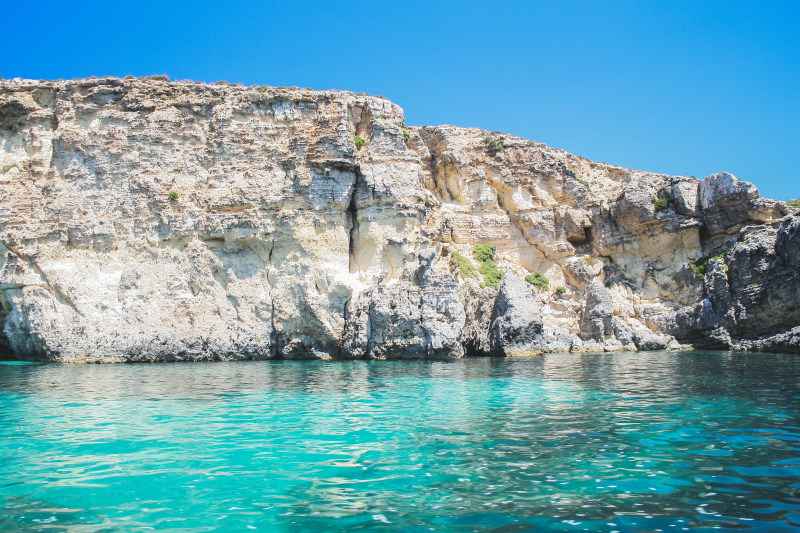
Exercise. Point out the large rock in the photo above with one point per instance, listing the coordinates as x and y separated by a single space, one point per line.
478 304
724 191
698 325
725 201
516 326
685 196
598 313
787 342
756 289
418 316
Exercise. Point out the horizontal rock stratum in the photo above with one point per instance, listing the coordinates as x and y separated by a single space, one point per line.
148 220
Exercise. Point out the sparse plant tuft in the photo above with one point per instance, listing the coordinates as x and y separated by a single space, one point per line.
794 204
381 117
484 255
561 289
493 144
538 280
406 134
660 204
701 265
359 141
465 268
173 195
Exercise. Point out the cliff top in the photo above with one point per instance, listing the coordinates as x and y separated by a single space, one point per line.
156 91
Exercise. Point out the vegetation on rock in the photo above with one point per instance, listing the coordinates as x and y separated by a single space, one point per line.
539 280
660 204
493 144
359 141
465 268
484 255
699 267
173 195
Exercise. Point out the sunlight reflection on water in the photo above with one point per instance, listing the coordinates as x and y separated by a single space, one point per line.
600 442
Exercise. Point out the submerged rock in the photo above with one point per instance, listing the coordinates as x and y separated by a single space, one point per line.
149 220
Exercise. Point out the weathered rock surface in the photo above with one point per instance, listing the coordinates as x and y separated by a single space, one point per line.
516 324
417 315
289 240
478 305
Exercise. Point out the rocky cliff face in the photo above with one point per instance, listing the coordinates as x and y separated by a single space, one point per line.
308 224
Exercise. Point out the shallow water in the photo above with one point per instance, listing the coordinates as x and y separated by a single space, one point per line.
698 441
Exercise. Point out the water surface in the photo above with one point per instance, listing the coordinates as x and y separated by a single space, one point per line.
693 441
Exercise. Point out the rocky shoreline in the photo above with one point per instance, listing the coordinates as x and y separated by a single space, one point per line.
151 220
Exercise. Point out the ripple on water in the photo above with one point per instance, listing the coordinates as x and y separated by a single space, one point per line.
614 442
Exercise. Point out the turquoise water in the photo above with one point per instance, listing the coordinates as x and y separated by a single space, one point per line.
702 441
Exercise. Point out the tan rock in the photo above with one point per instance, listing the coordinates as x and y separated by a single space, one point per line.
317 224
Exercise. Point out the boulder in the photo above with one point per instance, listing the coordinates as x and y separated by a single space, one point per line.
516 326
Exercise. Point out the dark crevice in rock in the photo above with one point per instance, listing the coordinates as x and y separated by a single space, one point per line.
273 338
345 320
5 345
352 220
431 166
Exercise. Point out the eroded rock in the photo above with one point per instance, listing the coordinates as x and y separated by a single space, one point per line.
149 220
516 326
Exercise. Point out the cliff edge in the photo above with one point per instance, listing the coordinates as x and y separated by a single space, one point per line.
148 220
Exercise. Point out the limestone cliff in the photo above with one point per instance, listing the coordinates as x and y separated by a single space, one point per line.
145 220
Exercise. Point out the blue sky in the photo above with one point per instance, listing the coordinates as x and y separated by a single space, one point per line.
677 87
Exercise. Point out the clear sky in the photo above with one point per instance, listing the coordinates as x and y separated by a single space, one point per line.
678 87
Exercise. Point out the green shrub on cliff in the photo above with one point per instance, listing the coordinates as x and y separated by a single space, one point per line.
484 255
173 195
493 144
794 204
464 266
359 141
699 267
538 280
660 204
